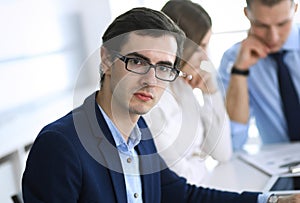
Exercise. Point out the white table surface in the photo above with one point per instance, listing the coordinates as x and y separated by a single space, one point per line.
236 175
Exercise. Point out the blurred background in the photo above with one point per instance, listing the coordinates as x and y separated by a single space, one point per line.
44 47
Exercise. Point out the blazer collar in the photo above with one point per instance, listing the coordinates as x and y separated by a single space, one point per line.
100 145
101 137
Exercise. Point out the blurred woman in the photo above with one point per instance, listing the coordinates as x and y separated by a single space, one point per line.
185 130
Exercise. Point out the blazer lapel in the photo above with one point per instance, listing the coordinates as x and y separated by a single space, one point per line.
101 146
149 165
110 154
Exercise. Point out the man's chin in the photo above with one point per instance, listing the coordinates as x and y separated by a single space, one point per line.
274 49
140 111
141 108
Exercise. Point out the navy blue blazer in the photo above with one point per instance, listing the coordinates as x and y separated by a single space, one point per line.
74 159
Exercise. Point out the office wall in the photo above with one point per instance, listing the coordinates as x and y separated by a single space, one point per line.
43 46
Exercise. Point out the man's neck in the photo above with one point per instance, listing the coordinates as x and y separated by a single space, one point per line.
121 118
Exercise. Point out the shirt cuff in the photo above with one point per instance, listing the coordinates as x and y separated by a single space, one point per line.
263 198
239 133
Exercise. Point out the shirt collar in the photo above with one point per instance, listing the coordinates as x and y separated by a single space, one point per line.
293 41
133 140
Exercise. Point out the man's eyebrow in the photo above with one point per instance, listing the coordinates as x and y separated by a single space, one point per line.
267 25
258 22
168 63
284 21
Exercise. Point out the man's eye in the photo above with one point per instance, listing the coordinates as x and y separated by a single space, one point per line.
164 68
137 61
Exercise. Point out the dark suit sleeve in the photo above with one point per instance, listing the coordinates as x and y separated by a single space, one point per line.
175 189
53 170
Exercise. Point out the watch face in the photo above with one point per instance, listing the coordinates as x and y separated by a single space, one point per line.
273 199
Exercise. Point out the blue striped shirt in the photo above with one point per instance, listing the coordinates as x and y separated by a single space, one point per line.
264 96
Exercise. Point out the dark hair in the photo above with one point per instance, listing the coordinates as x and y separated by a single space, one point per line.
192 19
142 21
265 2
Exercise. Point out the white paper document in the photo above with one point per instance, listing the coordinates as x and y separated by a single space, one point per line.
274 159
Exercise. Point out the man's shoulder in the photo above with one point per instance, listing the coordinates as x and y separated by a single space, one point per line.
68 123
77 116
229 57
61 126
232 51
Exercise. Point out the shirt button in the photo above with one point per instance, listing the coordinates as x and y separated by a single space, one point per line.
129 160
136 195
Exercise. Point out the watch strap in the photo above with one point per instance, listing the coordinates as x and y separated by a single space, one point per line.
237 71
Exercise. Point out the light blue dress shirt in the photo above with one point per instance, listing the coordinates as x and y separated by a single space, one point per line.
264 96
129 159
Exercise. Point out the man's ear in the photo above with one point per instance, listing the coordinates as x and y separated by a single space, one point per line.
246 12
105 60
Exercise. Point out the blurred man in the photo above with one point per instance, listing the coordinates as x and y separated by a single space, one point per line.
262 74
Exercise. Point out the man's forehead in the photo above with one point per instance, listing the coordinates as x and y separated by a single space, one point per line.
271 15
162 44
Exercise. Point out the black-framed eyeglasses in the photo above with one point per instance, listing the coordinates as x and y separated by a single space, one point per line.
140 66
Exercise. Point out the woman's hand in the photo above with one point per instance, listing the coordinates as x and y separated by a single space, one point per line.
202 77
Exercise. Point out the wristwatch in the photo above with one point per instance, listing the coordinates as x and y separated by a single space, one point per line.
273 199
237 71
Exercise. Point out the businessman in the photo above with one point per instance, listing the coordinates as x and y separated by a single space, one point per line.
103 151
261 74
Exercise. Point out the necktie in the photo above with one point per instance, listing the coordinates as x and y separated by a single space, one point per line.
290 101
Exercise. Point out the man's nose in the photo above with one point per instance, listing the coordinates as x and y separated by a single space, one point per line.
149 77
273 34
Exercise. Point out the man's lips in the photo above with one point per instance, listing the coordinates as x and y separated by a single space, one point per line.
143 96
